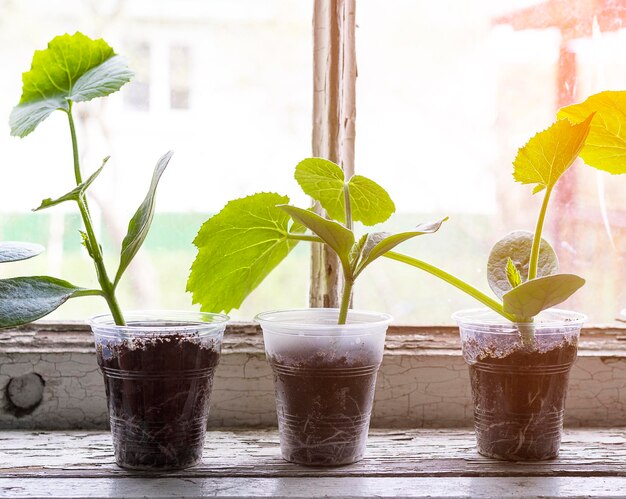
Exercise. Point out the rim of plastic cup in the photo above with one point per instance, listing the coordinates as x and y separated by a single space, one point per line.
357 319
549 318
189 320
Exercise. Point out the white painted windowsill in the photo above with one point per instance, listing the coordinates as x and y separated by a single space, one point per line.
423 381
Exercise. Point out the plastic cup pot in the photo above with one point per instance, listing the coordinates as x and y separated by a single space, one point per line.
158 375
519 374
325 377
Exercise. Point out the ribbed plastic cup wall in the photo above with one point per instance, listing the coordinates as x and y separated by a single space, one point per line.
158 375
519 386
325 378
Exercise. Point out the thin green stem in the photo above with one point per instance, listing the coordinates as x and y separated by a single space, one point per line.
534 253
345 299
455 281
88 292
77 174
108 291
304 237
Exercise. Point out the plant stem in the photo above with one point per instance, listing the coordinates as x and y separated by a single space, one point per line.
108 292
455 281
304 237
345 299
534 253
77 174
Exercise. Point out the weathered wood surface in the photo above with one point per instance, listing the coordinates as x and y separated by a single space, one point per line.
408 463
423 381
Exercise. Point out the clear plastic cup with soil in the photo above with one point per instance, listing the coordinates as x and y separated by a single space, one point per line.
325 378
519 374
158 375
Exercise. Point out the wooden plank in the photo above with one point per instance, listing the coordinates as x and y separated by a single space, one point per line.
255 453
349 487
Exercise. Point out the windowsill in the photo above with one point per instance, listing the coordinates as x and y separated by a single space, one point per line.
423 381
247 463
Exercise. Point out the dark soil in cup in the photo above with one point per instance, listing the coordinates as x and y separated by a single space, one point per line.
324 402
519 398
158 391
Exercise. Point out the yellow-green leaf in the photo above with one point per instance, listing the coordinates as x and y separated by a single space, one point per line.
550 153
335 235
531 297
325 182
605 148
237 249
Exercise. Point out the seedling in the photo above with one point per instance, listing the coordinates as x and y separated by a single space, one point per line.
74 68
249 237
243 243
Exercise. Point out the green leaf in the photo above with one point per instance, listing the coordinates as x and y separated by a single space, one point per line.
237 249
75 193
512 274
332 233
550 153
531 297
517 245
370 203
605 147
73 68
13 251
139 225
25 299
324 181
379 243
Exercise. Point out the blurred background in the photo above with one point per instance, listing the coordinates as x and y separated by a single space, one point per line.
447 91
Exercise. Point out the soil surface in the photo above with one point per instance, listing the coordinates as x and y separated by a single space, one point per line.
324 402
519 398
158 392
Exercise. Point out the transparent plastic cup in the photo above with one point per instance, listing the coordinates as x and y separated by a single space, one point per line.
519 387
325 377
158 375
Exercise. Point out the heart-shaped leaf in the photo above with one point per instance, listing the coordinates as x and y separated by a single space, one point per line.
531 297
379 243
74 194
237 249
340 239
139 225
72 68
517 246
605 147
13 251
550 153
324 181
25 299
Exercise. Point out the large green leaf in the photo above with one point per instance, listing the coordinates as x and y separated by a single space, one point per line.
605 147
340 239
139 225
531 297
325 182
13 251
25 299
550 153
379 243
75 193
73 68
237 249
516 246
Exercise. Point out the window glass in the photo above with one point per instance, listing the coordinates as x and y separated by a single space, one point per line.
446 94
240 71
